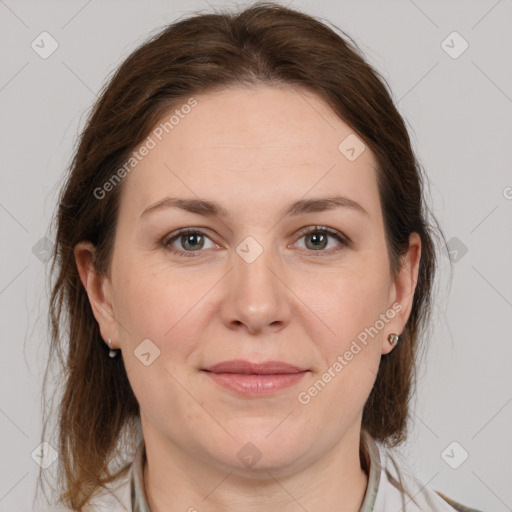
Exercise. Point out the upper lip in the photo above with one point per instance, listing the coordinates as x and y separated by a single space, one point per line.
247 367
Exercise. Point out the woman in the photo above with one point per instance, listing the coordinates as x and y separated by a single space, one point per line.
243 232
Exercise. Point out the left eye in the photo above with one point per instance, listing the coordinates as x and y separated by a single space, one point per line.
318 239
193 240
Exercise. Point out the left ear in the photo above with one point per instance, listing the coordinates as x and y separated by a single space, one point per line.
402 291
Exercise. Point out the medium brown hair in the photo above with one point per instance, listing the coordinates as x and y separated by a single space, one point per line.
265 44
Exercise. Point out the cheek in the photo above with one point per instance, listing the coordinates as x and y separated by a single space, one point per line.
142 305
148 297
351 300
162 306
351 352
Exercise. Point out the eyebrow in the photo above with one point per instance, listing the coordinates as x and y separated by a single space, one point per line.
212 209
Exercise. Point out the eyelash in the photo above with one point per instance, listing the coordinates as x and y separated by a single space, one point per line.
344 241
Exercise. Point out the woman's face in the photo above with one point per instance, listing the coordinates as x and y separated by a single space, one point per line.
256 279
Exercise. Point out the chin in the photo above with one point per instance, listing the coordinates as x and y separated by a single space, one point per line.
265 449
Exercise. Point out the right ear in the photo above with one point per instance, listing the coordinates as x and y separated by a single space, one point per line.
98 288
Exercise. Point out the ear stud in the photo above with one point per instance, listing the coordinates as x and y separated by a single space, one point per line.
393 338
112 353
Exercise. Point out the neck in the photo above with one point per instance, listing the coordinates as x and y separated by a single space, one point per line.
335 481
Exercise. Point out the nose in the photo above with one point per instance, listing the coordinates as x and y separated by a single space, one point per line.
256 298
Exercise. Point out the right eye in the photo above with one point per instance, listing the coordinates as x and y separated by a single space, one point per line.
191 241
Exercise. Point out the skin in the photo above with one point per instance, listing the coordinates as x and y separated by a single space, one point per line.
254 151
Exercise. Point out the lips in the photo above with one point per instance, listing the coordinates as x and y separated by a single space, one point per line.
255 380
240 366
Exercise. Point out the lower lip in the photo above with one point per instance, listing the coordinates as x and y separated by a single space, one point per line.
256 385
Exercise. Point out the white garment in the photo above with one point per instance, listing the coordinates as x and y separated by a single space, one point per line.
417 498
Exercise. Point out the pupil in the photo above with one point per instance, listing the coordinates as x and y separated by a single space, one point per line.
318 238
189 239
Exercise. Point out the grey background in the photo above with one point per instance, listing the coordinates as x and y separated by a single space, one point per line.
459 113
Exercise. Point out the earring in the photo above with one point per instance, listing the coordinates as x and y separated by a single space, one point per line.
112 353
393 338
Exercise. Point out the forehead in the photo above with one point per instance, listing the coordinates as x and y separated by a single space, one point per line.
263 144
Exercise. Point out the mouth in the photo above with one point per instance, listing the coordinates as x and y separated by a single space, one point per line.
240 366
255 379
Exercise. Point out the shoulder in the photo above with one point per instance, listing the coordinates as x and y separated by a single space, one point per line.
455 504
116 499
396 474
